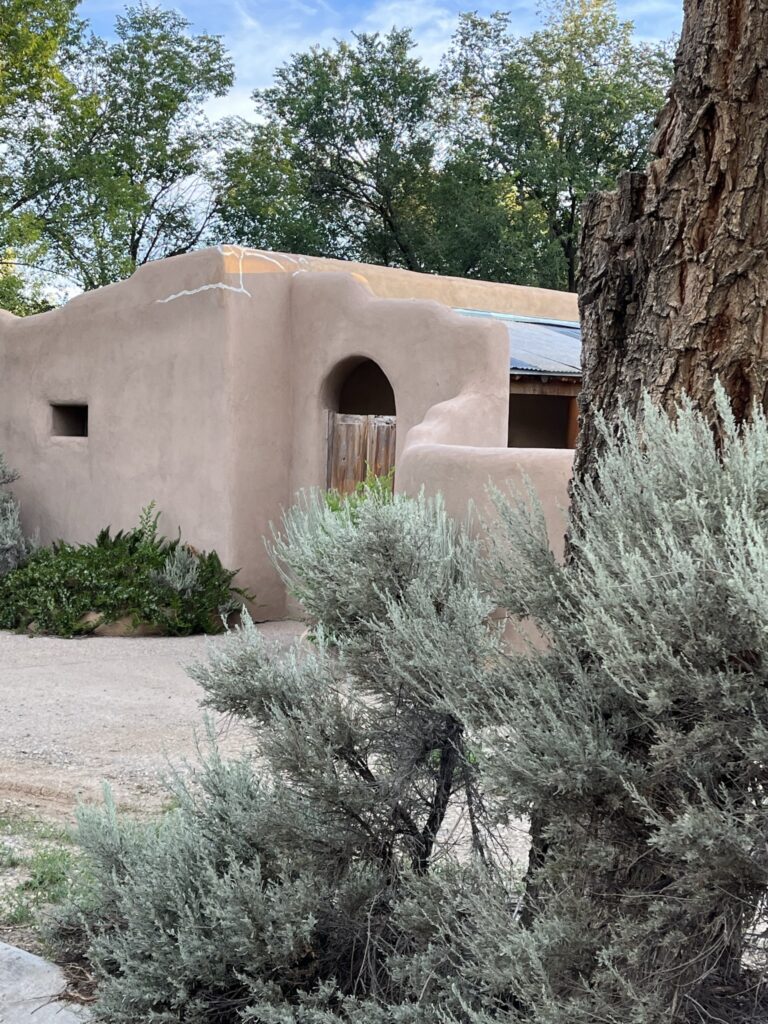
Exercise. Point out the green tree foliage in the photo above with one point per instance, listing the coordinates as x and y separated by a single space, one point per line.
130 152
354 125
358 150
479 228
33 38
31 34
266 202
353 162
478 171
560 113
17 295
110 165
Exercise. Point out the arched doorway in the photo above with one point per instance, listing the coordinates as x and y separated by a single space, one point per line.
361 424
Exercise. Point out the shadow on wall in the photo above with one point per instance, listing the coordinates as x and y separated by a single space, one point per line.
362 388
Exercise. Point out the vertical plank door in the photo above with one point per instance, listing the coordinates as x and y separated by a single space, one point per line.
357 443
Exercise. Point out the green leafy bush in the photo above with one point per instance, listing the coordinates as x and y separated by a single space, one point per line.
136 573
381 488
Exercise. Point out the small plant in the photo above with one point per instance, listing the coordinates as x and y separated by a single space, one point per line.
15 548
181 570
71 589
381 488
46 883
42 861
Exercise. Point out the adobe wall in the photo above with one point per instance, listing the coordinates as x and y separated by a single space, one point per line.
428 353
458 292
209 378
130 357
186 374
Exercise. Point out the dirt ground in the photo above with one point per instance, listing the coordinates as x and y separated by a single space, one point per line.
77 713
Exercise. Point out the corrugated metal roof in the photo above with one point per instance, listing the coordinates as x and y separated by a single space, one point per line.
539 346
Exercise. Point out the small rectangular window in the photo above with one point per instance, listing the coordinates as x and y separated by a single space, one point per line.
69 420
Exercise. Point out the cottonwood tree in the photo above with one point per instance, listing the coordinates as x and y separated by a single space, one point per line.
111 159
477 171
560 112
266 202
355 125
31 34
131 157
33 83
674 278
672 292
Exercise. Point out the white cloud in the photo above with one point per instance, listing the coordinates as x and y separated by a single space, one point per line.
433 25
263 34
653 19
237 103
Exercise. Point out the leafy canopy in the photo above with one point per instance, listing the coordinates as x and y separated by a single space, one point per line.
562 112
353 126
114 169
358 150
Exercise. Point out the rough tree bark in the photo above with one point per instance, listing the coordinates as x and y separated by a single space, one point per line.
673 284
674 265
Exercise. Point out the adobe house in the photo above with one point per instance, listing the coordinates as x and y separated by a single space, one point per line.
222 382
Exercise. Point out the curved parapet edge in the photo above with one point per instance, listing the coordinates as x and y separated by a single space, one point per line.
463 474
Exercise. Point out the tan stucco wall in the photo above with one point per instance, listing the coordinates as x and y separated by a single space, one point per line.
208 379
459 292
133 361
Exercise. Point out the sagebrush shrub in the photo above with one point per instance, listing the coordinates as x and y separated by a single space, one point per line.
346 560
638 732
275 889
15 548
392 751
181 570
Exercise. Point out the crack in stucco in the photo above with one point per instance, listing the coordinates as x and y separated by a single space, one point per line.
220 285
241 252
205 288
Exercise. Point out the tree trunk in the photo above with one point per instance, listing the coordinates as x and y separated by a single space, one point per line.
673 284
674 265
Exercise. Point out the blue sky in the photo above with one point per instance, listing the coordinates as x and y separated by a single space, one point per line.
261 34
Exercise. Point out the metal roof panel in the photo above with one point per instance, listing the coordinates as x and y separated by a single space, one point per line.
551 347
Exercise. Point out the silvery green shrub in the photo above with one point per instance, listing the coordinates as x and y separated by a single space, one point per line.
636 728
181 570
345 560
272 892
15 548
317 882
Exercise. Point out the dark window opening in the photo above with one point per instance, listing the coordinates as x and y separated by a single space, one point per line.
367 392
540 421
69 420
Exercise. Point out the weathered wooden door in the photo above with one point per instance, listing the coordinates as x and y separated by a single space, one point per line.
357 444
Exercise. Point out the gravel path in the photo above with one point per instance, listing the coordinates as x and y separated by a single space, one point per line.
76 713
